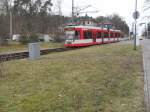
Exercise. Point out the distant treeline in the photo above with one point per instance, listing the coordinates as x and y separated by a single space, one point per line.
118 21
30 17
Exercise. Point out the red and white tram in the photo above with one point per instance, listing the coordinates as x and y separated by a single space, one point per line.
77 36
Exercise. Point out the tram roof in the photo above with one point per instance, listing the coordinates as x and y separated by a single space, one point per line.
90 27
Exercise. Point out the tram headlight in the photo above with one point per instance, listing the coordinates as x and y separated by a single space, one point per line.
69 41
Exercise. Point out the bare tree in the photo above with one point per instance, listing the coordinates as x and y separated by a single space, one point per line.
30 17
4 24
59 4
4 6
116 20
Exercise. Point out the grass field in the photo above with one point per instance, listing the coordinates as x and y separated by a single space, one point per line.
15 46
106 78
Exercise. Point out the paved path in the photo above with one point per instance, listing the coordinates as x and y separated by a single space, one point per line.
146 60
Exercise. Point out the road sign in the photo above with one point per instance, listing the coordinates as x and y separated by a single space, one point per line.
136 15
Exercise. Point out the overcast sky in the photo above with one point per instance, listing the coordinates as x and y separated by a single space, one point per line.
124 8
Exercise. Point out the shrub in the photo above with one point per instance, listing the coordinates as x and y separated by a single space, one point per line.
24 39
33 38
58 38
3 41
27 39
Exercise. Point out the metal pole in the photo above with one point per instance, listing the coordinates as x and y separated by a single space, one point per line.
10 25
135 26
72 9
102 33
129 35
135 36
147 32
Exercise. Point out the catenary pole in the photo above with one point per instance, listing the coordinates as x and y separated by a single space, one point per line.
72 9
135 26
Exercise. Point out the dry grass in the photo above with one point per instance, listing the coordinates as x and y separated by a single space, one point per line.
105 78
1 68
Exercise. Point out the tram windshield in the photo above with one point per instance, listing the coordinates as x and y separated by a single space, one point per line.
70 35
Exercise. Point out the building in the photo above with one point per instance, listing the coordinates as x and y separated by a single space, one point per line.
107 25
84 20
88 22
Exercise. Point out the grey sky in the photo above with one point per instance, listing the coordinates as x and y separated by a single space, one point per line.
124 8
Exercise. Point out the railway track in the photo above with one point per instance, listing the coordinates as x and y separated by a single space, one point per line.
25 54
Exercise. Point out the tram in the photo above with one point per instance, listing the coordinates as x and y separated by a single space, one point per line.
78 36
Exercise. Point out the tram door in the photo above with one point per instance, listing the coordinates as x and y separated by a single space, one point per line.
94 37
102 37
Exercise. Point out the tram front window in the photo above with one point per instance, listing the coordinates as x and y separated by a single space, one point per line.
70 35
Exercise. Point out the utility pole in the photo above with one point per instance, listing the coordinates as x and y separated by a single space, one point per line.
135 25
10 25
147 32
72 9
59 3
136 15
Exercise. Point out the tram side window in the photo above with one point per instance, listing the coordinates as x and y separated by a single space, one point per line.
106 35
116 35
111 35
99 35
88 34
77 35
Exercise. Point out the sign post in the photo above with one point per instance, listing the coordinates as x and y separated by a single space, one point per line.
136 15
